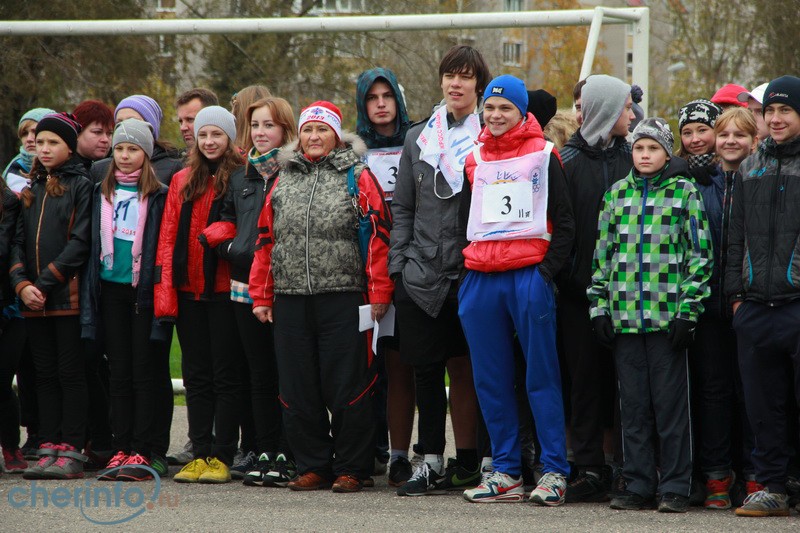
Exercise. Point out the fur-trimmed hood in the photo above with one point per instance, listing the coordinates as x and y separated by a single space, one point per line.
341 158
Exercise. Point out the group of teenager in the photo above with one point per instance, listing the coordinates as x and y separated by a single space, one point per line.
573 284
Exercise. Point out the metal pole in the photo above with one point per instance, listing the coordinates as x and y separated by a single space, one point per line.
591 43
641 56
581 17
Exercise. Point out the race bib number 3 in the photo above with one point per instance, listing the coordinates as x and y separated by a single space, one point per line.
507 202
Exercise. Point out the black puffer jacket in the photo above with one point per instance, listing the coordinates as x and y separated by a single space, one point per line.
8 226
590 171
91 319
52 240
165 163
764 232
234 236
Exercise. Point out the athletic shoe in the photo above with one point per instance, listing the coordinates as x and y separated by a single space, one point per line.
399 472
160 465
718 493
131 470
217 472
379 469
48 453
255 476
550 490
764 503
282 472
191 472
486 474
68 464
673 503
499 487
347 483
752 486
459 478
424 481
630 501
15 462
109 473
31 447
183 457
96 459
588 487
309 481
243 465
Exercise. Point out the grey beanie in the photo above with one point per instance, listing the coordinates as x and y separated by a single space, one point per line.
218 116
657 129
602 101
134 131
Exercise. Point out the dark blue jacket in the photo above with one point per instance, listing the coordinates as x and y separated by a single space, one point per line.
715 189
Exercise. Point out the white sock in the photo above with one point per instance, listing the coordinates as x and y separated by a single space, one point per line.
436 462
486 464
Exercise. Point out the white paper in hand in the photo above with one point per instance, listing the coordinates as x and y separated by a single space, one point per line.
385 327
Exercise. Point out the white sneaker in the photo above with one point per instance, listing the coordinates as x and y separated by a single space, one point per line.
550 490
498 487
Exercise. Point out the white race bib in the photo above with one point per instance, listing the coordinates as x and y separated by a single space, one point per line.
126 214
16 182
509 197
384 163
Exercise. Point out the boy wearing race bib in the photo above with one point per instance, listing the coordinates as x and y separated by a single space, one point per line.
382 123
520 226
651 268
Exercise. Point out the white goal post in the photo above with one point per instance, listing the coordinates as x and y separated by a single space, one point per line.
638 18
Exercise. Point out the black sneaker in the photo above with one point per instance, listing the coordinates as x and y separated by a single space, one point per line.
399 472
244 464
282 472
673 503
630 501
457 477
255 477
588 487
424 481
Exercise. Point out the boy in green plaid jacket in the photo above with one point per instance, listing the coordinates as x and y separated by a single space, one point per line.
651 268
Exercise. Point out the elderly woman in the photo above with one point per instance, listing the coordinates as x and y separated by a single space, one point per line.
309 278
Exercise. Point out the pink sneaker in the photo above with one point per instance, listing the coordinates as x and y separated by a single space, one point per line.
132 471
48 453
68 464
109 473
15 461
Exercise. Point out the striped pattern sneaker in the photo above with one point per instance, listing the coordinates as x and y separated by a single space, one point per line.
718 493
550 490
497 487
764 503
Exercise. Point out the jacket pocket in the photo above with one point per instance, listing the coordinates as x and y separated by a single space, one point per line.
747 269
421 269
793 270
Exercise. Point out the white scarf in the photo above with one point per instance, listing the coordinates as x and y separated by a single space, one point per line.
447 149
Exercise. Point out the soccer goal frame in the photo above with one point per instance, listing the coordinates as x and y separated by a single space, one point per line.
638 18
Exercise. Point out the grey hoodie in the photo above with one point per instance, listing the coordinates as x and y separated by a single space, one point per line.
602 101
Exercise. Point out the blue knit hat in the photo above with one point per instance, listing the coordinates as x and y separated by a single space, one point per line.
36 114
145 106
511 88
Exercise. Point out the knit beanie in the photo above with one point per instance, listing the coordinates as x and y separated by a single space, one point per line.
62 124
510 88
783 90
134 131
657 129
218 116
701 110
36 114
325 112
542 105
603 99
729 95
145 106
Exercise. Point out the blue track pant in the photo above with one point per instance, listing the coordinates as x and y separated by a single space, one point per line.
492 307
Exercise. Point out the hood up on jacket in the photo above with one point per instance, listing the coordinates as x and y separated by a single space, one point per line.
363 126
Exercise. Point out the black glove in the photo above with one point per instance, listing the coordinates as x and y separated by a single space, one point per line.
603 329
681 334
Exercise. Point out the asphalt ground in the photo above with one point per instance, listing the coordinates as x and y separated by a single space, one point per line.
168 506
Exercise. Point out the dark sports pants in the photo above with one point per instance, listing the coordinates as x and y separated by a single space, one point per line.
211 367
769 342
12 342
324 366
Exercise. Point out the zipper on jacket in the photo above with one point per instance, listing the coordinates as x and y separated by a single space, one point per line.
605 173
641 253
419 187
773 214
38 232
308 223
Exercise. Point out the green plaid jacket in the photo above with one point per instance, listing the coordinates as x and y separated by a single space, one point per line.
653 258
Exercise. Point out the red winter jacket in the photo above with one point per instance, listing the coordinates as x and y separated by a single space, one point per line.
499 256
165 295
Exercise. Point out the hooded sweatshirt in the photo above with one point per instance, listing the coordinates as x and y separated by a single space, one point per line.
602 101
363 125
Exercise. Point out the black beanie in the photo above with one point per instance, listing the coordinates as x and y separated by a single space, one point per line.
542 105
783 90
62 124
